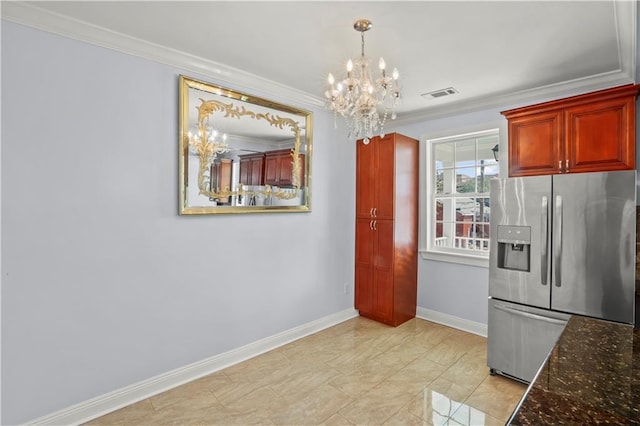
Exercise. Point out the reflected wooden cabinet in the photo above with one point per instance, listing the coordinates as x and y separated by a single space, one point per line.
386 255
278 168
220 177
252 169
585 133
269 168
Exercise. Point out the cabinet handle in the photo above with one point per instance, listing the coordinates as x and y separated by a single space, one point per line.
375 212
566 165
371 212
560 165
375 225
371 225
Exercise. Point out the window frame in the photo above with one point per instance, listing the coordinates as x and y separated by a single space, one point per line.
427 212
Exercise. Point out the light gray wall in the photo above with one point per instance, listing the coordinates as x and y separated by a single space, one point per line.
103 283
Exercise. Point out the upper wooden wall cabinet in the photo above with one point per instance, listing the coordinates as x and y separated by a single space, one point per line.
585 133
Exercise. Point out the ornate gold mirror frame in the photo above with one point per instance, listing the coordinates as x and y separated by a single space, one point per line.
240 153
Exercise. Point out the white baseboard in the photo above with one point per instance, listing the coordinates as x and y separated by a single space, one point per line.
452 321
101 405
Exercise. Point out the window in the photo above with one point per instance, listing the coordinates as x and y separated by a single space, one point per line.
458 205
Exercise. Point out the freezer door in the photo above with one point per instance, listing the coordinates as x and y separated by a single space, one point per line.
520 338
520 273
594 225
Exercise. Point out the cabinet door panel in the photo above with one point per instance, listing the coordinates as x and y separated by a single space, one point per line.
245 171
257 168
385 177
364 289
286 170
383 302
271 170
533 144
365 245
597 136
383 268
365 241
384 244
365 177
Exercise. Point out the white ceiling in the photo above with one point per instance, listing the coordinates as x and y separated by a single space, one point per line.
493 53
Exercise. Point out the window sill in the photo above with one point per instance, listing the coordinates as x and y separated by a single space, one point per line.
463 259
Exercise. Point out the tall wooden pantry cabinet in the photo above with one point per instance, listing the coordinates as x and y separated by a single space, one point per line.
386 255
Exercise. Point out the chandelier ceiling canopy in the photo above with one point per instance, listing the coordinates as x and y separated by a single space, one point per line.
364 103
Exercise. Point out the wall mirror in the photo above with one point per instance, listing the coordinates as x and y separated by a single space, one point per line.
240 153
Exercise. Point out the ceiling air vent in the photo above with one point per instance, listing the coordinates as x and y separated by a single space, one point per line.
440 93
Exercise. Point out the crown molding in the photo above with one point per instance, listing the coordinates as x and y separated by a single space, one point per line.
625 15
520 98
33 16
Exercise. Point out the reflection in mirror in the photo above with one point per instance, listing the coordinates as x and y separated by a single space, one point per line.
240 153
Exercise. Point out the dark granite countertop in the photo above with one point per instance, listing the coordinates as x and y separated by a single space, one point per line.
592 376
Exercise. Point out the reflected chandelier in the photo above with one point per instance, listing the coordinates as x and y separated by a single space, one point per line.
203 141
357 97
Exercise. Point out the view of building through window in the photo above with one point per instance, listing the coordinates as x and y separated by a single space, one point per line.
459 206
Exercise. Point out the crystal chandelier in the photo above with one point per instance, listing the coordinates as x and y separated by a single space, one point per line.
358 97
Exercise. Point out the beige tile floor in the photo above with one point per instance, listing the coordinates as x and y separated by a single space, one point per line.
359 372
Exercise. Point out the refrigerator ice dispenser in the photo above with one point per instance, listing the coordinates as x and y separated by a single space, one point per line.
514 247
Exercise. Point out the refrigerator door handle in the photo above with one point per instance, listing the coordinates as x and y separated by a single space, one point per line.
529 315
557 246
544 255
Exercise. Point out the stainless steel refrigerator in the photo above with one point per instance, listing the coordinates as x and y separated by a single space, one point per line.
560 245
